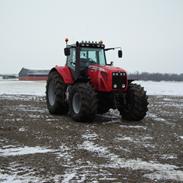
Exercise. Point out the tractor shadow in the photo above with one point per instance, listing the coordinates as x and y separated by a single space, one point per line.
103 118
107 118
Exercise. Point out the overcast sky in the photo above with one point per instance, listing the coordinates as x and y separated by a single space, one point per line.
32 32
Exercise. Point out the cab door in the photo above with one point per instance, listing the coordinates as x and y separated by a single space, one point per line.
71 61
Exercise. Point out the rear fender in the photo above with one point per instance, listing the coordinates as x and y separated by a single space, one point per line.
130 80
65 73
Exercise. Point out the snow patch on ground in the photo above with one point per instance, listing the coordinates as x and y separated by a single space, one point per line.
19 151
34 116
26 108
17 87
167 174
155 117
158 171
18 97
23 129
64 152
133 126
130 139
17 175
22 87
168 156
162 87
68 176
89 136
14 178
144 141
172 104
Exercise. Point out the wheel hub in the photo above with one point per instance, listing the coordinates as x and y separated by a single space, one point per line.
76 103
51 93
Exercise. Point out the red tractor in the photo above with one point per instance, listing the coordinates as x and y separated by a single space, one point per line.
87 85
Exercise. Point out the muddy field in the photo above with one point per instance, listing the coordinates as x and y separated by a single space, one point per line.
38 147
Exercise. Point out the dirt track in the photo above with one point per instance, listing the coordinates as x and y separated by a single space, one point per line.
38 147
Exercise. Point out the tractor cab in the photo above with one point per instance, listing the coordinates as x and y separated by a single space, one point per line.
81 55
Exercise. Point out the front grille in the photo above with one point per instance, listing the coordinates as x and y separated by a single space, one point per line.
118 80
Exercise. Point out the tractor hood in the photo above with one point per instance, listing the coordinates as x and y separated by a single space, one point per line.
106 68
108 78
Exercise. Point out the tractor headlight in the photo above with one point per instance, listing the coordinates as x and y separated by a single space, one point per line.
115 86
123 85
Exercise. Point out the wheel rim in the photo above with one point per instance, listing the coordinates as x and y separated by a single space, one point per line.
51 93
76 103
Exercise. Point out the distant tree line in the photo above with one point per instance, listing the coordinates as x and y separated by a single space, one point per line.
145 76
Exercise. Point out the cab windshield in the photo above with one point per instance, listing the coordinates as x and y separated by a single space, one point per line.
93 55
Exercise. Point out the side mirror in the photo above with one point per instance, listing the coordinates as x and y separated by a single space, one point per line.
67 51
120 53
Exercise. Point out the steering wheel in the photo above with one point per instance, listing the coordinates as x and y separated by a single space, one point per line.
91 61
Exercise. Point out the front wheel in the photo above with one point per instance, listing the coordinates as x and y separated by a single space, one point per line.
82 102
55 94
134 107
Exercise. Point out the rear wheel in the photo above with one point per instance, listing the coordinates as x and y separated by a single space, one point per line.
82 102
55 94
135 107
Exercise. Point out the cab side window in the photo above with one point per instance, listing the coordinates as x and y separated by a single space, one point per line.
71 59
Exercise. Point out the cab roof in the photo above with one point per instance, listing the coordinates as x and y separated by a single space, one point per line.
89 44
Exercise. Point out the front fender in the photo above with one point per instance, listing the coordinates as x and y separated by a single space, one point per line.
65 73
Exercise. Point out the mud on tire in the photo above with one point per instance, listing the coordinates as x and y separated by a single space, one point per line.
82 102
55 94
136 104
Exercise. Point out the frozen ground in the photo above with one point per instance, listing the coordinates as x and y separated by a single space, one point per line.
162 87
38 87
38 147
22 87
